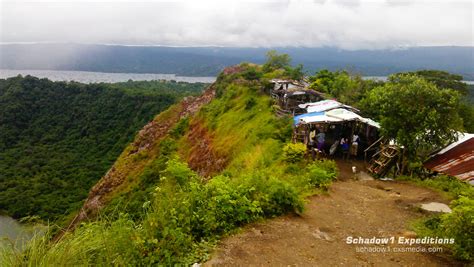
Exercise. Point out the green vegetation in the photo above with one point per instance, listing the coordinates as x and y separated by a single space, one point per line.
294 152
470 94
416 113
421 110
466 110
346 88
353 90
277 62
450 187
57 139
231 163
180 214
445 80
459 224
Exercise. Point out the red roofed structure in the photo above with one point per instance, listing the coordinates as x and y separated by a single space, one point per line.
457 159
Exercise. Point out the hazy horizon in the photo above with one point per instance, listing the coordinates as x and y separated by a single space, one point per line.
345 24
217 46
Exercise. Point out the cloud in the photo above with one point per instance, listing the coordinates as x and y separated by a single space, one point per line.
342 23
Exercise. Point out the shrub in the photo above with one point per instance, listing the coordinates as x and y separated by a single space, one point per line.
166 237
252 74
294 152
178 172
459 224
322 173
231 203
329 166
282 197
284 130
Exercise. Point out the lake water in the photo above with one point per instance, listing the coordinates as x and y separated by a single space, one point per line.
12 232
97 77
384 78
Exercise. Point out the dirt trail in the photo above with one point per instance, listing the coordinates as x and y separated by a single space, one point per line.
364 208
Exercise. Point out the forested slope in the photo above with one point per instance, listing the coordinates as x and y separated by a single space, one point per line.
57 139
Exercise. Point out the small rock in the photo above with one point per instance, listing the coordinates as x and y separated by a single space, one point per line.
436 207
256 232
409 234
321 235
363 176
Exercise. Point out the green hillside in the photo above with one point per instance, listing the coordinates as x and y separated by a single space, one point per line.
204 167
57 139
200 169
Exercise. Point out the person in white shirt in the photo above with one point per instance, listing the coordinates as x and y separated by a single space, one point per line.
354 145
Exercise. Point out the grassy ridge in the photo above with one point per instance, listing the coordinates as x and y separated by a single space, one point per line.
169 214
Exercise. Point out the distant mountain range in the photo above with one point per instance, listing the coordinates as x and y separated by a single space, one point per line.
209 61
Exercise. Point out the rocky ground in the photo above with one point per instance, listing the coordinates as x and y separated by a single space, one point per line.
356 205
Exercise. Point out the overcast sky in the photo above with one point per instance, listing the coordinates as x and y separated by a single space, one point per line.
348 24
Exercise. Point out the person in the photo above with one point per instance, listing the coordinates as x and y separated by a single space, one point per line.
312 135
321 137
344 147
333 148
354 145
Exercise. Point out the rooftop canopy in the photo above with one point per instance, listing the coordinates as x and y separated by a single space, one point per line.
314 117
324 106
457 159
333 115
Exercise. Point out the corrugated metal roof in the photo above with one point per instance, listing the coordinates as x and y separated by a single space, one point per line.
457 161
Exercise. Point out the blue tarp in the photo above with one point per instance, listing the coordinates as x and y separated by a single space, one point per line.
296 119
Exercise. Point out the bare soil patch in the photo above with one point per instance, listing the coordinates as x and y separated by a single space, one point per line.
318 237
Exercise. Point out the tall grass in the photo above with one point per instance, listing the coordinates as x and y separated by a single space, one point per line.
182 214
100 242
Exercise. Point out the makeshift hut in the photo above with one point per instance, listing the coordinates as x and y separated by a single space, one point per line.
336 124
290 94
456 159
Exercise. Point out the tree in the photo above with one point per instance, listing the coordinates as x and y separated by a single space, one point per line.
466 111
57 139
322 80
276 61
416 113
446 80
345 87
295 73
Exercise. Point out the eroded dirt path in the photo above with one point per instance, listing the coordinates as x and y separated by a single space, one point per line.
318 237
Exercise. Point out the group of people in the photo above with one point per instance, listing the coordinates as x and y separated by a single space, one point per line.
348 147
